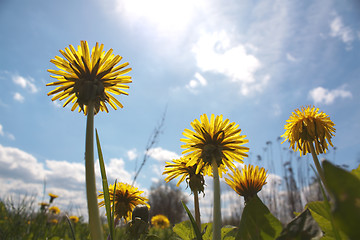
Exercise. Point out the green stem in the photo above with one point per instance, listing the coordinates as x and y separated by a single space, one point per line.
217 209
317 165
197 209
93 209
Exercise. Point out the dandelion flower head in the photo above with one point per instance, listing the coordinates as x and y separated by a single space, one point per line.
86 77
160 221
125 198
308 125
54 210
74 219
247 182
179 168
214 140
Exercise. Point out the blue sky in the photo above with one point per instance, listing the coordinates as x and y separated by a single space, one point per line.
252 61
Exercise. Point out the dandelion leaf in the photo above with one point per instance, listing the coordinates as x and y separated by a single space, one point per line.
344 186
257 222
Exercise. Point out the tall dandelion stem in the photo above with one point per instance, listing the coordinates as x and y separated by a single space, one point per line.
93 210
197 209
317 165
217 209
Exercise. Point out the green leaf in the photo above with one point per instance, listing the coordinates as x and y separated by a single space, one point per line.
303 226
257 222
228 232
184 230
110 218
356 172
345 189
193 223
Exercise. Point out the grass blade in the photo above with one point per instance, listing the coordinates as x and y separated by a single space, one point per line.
193 223
110 218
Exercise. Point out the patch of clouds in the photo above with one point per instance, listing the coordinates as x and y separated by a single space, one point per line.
26 83
18 97
21 174
214 52
326 96
339 30
6 134
132 154
162 155
291 58
196 83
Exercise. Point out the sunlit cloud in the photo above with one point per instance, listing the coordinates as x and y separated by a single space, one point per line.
215 52
132 154
26 83
339 30
6 134
18 97
194 84
291 58
326 96
162 155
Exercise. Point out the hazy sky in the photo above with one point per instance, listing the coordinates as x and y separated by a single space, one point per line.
252 61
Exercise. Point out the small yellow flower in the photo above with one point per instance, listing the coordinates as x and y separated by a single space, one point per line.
54 221
126 198
248 182
89 77
52 197
307 125
54 210
160 221
214 139
178 167
74 219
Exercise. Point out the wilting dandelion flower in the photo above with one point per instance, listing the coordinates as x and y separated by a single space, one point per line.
160 221
52 197
125 198
74 219
54 210
86 77
247 182
214 140
307 126
179 168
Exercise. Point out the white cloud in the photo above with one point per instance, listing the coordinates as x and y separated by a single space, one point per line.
6 134
132 154
326 96
194 84
215 53
25 83
162 155
114 170
291 58
338 29
18 97
1 130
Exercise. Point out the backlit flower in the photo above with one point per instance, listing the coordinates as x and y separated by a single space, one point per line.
308 125
126 198
160 221
89 77
178 168
52 197
54 210
215 139
74 219
247 182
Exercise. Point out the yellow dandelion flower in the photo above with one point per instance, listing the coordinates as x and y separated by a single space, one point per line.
308 125
86 77
247 182
44 204
54 221
126 198
214 139
54 210
52 197
178 167
74 219
160 221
